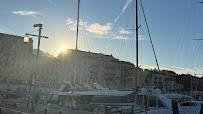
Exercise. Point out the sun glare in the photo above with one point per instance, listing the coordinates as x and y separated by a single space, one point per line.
63 48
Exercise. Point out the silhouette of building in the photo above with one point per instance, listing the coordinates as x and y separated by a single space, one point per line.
191 84
164 78
201 83
96 67
15 58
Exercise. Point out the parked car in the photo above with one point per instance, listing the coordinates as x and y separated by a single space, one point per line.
10 99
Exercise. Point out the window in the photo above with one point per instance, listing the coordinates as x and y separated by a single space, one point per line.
140 98
152 101
160 104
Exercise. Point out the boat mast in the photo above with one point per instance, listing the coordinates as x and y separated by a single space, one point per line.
136 77
77 25
76 46
137 35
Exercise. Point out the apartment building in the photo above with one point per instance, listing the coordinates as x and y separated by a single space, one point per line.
189 82
96 67
15 58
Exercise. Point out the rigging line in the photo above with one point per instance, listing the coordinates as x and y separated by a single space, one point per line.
197 50
85 31
193 49
128 16
64 35
193 36
120 46
130 44
181 46
126 23
196 56
186 28
67 28
67 25
34 31
186 24
152 44
198 60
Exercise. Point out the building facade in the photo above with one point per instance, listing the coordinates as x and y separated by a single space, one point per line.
201 83
93 67
189 82
15 58
164 79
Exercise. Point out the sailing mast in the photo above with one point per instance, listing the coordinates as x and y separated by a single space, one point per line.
76 46
137 34
77 25
136 78
136 42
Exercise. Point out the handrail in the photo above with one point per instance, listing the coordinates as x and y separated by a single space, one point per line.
12 111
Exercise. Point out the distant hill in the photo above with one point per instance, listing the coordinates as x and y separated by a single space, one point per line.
41 53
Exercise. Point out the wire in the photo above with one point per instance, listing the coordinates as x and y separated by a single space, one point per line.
85 31
152 43
181 39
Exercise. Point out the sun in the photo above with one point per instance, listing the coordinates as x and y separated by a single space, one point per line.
63 49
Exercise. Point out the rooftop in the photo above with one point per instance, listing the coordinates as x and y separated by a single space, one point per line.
10 35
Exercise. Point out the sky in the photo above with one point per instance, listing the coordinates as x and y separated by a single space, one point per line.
104 28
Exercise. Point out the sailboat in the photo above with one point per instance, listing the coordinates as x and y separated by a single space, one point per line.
68 91
150 100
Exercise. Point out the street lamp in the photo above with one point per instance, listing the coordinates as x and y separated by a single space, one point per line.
26 39
37 25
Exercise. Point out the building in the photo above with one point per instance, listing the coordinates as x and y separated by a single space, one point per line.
15 58
163 79
179 87
96 67
47 70
190 83
141 77
169 80
201 83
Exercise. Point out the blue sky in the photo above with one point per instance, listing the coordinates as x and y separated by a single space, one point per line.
103 23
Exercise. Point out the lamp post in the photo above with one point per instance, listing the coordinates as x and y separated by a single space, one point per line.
26 39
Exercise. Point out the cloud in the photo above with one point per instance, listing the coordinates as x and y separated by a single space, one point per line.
28 13
124 8
72 24
107 46
51 2
123 31
99 29
121 38
144 66
177 67
182 70
94 28
70 21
